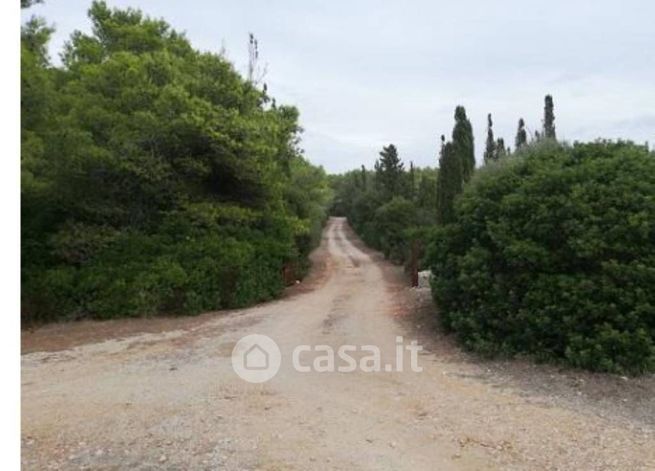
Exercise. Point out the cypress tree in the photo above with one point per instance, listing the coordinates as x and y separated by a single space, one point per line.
412 183
389 171
463 143
363 178
490 148
521 135
549 118
501 151
449 182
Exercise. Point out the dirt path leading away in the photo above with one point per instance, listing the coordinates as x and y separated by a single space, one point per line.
169 399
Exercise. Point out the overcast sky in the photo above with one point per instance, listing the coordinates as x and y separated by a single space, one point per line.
367 73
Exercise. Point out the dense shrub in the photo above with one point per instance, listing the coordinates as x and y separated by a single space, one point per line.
155 179
553 255
391 223
174 271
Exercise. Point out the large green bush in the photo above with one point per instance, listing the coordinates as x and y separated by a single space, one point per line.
553 255
155 179
391 222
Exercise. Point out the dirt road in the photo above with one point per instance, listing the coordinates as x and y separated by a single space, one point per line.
169 399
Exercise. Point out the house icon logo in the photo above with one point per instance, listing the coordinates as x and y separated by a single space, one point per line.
256 358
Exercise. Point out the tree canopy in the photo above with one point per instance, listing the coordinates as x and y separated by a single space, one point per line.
155 178
521 135
490 153
549 118
390 172
462 142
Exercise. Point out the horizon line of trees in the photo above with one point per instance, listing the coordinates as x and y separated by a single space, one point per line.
392 206
457 157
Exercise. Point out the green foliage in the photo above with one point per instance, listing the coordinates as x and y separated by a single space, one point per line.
391 222
29 3
390 173
490 153
155 179
426 192
463 146
549 118
552 254
457 162
501 150
521 135
387 224
450 182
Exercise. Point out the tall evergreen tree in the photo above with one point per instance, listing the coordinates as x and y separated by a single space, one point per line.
463 142
389 171
363 174
521 135
501 150
490 148
412 181
449 182
549 118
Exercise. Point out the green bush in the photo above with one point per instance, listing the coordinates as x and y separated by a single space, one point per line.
143 275
553 255
391 223
154 178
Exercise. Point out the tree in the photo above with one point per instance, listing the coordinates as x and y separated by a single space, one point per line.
256 73
449 182
501 150
426 193
521 135
549 118
35 35
391 221
490 148
412 181
29 3
389 171
363 177
153 176
462 143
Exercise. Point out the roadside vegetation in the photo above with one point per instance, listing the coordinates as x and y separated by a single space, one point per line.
547 250
387 205
155 178
552 253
